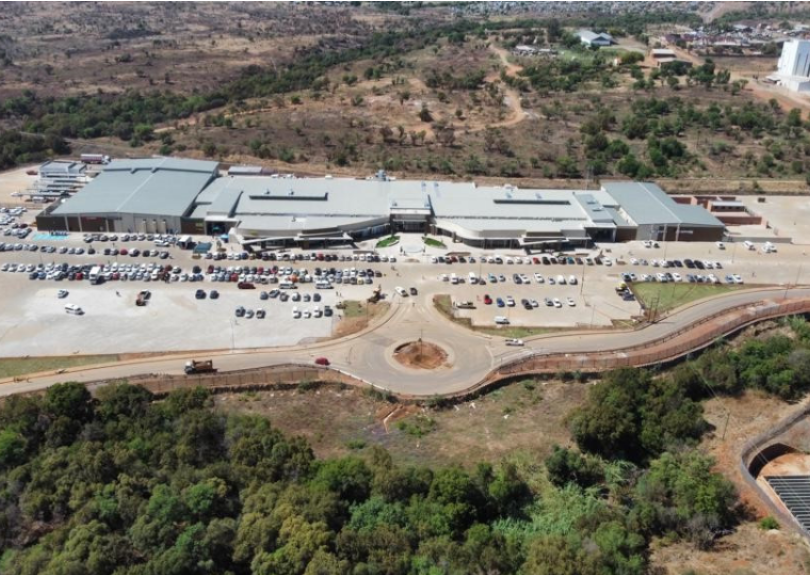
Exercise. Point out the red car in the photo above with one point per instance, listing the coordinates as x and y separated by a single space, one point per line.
245 285
487 299
535 260
123 251
322 361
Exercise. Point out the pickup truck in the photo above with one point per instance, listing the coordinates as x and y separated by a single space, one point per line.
202 366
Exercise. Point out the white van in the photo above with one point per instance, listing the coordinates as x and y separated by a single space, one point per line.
749 245
74 309
501 320
453 279
463 304
286 285
323 284
401 291
473 278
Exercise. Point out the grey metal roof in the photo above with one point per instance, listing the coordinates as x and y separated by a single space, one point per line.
62 168
645 203
590 35
153 186
596 212
618 218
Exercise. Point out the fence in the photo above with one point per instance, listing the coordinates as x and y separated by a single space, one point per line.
265 378
635 356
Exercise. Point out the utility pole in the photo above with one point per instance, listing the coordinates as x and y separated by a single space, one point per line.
582 281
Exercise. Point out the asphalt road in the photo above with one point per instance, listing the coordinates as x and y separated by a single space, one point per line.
369 354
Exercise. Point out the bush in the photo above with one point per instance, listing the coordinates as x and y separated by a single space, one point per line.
768 523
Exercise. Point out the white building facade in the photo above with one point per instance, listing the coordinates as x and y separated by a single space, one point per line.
794 66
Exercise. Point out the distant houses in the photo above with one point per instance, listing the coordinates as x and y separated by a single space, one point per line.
664 58
591 38
524 50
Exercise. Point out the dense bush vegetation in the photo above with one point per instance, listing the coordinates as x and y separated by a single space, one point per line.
17 148
128 485
778 365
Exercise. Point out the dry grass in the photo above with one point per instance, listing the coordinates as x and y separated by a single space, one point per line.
525 418
357 316
15 367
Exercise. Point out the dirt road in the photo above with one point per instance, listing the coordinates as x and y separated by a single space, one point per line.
787 100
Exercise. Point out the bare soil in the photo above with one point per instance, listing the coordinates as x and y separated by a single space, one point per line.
520 420
350 324
421 355
746 551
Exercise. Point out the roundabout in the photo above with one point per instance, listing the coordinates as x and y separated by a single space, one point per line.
421 354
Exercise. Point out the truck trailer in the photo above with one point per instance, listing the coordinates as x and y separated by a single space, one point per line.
194 366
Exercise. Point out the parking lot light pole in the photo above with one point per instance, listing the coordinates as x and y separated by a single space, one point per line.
582 281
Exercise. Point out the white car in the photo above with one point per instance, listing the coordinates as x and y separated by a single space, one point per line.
737 278
514 342
720 245
557 302
401 291
62 293
572 280
534 303
676 277
561 280
539 278
296 313
307 314
510 301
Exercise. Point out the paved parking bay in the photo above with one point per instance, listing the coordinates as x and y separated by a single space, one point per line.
33 320
173 320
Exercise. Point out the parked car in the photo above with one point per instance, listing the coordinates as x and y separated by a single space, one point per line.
200 294
514 342
321 361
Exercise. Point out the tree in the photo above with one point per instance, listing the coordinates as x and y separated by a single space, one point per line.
70 400
12 448
424 114
681 492
564 466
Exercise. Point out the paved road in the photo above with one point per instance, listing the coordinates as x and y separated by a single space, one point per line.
368 355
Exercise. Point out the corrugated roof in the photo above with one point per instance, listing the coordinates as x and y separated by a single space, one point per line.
153 186
647 204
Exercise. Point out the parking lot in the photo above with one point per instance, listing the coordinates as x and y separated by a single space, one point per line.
33 320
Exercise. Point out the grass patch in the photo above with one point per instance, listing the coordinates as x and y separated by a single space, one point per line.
15 367
388 242
665 297
418 427
517 331
355 309
434 243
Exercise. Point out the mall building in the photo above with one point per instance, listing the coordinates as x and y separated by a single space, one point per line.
173 195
